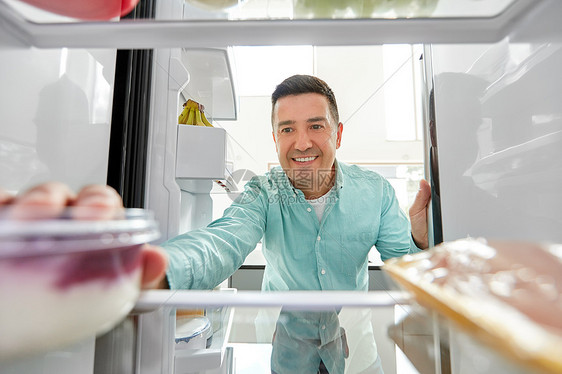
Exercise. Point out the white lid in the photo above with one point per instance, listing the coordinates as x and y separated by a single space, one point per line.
189 328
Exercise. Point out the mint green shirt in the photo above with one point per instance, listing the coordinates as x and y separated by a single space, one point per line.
301 253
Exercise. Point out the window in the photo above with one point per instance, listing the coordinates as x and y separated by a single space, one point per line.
260 69
401 80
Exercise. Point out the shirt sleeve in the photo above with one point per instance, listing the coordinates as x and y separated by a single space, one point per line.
203 258
394 239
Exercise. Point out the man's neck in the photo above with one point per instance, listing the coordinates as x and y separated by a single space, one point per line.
312 195
320 186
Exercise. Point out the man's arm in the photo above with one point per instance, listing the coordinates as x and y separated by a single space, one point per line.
203 258
418 215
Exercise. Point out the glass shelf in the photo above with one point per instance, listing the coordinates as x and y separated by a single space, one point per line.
245 10
183 23
407 338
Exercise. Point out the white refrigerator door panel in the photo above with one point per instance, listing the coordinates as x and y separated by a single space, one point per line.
499 135
55 114
163 195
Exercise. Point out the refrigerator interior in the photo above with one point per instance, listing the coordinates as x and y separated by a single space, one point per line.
495 81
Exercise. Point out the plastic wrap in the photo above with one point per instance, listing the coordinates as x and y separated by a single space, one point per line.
505 294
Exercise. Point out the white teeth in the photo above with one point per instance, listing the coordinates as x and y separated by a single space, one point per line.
305 159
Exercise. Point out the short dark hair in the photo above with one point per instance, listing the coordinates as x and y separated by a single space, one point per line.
301 84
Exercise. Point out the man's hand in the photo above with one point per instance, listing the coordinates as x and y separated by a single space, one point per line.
53 197
418 215
155 262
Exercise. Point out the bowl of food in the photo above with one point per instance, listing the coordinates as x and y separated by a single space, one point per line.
64 279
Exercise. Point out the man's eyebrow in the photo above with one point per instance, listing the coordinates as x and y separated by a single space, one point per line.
317 119
285 123
310 120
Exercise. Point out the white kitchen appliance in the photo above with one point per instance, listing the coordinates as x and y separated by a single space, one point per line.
491 94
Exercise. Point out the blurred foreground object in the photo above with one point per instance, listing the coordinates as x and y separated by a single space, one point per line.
63 279
506 294
86 9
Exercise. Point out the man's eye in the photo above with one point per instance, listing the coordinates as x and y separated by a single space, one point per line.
286 129
317 127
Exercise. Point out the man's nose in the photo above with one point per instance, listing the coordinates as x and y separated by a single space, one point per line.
303 141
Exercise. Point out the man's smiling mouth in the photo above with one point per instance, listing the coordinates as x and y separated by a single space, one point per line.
305 159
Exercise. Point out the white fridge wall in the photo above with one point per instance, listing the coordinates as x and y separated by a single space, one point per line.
499 135
55 114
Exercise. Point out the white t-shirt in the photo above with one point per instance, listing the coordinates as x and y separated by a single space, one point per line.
319 204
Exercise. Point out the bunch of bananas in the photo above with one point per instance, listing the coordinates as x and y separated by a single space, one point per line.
193 114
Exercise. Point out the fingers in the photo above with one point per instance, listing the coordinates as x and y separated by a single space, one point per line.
418 215
155 262
99 196
422 198
51 194
5 197
424 185
50 199
43 201
97 202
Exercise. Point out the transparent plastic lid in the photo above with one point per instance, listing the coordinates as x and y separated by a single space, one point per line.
38 232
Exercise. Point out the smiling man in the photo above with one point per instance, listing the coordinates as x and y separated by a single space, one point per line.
317 219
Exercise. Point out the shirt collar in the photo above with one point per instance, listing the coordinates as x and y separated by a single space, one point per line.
281 179
339 176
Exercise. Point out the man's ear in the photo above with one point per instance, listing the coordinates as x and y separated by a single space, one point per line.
274 140
338 135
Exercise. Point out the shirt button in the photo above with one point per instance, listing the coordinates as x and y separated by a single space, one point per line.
323 327
318 238
323 272
308 210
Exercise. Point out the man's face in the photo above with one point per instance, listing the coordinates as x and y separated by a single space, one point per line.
306 139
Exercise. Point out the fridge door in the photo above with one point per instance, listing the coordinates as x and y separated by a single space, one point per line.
499 136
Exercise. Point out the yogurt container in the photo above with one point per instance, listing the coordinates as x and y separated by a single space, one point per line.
63 280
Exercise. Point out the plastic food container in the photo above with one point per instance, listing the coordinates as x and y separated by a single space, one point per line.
63 280
505 295
193 332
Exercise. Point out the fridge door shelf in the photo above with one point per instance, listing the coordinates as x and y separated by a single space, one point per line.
196 360
201 153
